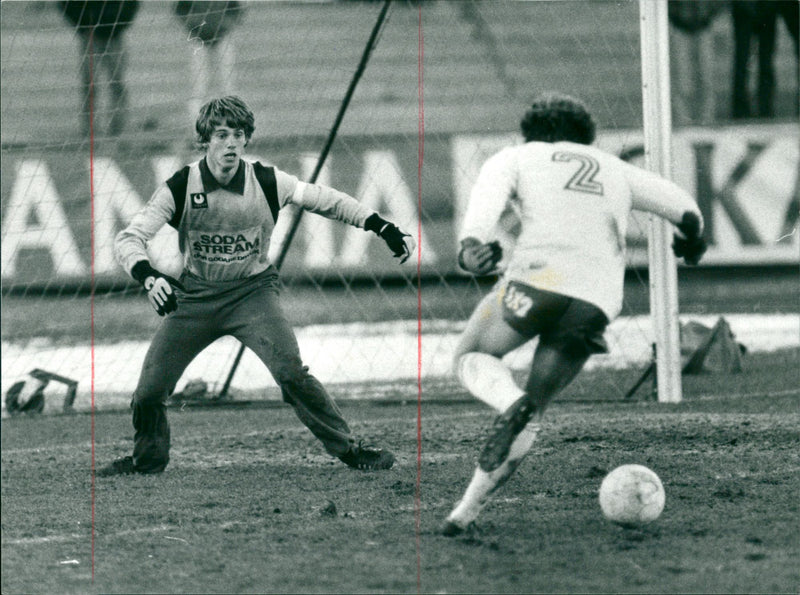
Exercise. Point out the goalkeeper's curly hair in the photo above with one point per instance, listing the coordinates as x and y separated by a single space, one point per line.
229 111
555 117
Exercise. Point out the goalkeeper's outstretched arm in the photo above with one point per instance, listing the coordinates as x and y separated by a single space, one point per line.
337 205
130 244
130 249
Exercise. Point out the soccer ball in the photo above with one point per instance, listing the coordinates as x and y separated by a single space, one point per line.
632 495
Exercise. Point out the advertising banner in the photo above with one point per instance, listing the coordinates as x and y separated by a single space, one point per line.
60 210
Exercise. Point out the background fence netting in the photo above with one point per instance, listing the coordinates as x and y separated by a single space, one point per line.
69 185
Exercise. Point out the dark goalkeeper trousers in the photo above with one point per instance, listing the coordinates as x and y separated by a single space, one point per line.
250 311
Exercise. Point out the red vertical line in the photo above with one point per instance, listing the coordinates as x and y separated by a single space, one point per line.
421 152
91 260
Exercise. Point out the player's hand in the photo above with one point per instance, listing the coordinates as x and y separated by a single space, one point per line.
160 293
689 243
479 258
160 287
401 244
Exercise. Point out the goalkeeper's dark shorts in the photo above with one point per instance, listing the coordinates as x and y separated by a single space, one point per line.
558 320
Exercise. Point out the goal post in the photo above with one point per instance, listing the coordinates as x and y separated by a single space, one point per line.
657 120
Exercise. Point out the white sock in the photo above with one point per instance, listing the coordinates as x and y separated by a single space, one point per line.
488 379
483 483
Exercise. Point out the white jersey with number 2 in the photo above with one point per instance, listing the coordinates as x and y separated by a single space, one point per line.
573 201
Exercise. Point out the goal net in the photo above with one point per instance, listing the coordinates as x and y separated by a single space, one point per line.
445 86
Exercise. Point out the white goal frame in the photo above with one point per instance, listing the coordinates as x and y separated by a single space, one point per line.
657 119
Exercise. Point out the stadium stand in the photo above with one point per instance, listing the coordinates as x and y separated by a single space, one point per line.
469 82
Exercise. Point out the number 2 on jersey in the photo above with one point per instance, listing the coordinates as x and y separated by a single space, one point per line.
583 179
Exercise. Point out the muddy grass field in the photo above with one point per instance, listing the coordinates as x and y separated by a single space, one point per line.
251 503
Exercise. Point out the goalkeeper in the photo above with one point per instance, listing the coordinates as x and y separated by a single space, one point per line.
563 282
225 209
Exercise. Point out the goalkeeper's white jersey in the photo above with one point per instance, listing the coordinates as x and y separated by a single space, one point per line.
573 202
225 232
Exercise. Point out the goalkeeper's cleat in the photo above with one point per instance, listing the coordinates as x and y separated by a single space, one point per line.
125 466
122 466
367 458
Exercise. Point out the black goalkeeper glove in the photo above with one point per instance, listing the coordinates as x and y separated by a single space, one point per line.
479 258
690 245
159 287
401 244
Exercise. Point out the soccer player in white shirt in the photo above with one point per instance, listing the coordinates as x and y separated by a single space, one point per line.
225 209
564 279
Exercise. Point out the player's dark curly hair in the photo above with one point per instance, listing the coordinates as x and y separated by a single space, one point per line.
555 117
226 111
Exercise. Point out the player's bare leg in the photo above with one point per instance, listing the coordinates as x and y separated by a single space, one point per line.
478 366
513 432
117 65
201 76
477 363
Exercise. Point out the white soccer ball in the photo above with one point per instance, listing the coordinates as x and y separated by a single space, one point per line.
631 495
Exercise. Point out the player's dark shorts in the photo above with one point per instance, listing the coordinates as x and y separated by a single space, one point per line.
558 319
